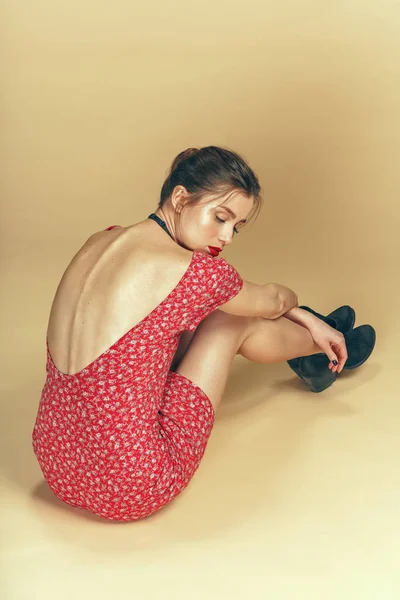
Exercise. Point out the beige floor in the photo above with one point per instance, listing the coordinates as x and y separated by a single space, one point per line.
297 497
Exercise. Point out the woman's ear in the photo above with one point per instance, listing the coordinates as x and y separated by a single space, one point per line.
179 198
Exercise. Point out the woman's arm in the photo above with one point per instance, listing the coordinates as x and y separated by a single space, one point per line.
302 317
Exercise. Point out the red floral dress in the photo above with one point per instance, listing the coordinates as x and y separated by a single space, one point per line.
125 435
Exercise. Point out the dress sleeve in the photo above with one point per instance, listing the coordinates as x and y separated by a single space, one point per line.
214 282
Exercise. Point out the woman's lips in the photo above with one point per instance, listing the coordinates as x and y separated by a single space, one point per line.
214 251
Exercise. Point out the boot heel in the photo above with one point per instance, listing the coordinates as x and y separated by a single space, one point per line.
314 371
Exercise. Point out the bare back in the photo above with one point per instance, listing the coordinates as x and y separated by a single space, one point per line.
115 280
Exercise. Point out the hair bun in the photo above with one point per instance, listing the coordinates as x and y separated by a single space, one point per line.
182 157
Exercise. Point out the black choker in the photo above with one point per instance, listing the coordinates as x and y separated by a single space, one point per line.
161 223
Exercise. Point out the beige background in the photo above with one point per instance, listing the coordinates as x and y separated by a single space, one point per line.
298 493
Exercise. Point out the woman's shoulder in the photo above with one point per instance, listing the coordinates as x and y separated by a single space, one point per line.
152 246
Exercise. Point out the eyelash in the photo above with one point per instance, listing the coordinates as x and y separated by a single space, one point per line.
235 229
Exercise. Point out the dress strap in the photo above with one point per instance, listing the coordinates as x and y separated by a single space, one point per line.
111 227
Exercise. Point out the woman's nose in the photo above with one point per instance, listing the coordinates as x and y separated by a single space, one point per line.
226 236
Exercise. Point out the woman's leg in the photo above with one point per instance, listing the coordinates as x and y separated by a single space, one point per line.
212 348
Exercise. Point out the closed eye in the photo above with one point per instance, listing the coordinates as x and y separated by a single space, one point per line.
235 229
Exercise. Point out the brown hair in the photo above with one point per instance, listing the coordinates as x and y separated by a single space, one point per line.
211 170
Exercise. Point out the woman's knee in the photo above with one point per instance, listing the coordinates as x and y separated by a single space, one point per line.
218 328
209 356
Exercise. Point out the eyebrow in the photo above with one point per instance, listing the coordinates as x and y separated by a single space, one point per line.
232 213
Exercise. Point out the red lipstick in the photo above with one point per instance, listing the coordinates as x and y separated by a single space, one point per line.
214 250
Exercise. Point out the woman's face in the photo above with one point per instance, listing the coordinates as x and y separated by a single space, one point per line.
213 222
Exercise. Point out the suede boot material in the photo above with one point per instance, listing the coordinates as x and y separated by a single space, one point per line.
360 342
314 371
342 319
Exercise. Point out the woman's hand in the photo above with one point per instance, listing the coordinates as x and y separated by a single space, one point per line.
331 342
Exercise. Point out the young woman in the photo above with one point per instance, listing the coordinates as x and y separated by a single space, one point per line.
143 329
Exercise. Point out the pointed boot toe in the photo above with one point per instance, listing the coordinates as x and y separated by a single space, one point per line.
360 343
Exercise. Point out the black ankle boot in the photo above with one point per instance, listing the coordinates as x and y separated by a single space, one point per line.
360 342
313 370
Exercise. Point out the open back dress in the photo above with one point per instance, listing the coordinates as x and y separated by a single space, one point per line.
125 435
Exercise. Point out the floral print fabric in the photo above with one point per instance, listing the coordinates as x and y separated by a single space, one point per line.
125 435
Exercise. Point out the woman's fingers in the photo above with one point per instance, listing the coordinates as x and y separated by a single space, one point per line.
332 357
341 354
332 342
337 353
